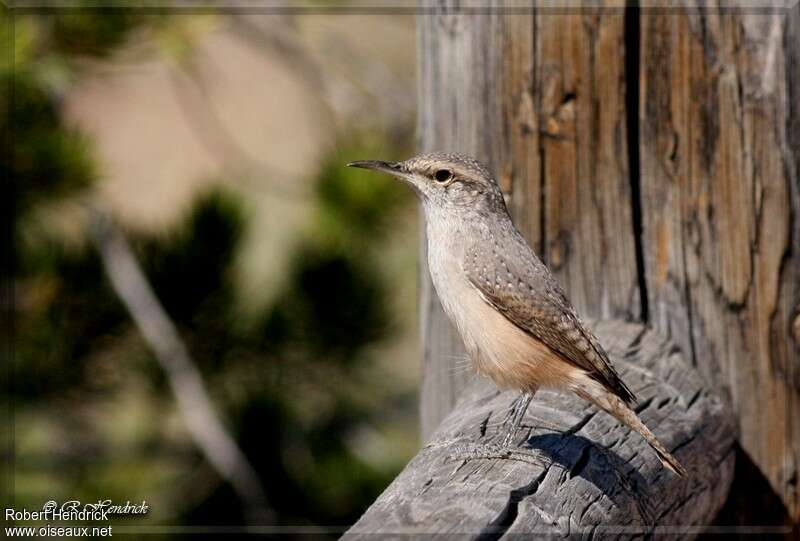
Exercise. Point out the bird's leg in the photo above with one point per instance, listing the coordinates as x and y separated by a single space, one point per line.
503 451
515 415
512 409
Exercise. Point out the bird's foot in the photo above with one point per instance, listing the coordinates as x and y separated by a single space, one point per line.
488 451
505 449
512 409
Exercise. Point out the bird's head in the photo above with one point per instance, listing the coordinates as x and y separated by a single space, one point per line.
445 181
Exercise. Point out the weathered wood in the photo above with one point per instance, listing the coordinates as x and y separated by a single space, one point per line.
540 98
720 150
579 472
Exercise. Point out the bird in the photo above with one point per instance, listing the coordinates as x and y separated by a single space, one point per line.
517 324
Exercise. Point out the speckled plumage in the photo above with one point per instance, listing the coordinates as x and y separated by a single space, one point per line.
516 322
509 276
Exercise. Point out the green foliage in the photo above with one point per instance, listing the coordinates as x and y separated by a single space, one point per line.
293 382
92 33
333 307
189 266
71 304
356 206
68 309
47 160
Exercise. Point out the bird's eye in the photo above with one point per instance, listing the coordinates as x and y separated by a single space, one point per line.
443 175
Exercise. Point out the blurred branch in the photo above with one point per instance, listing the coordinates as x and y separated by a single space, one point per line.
130 284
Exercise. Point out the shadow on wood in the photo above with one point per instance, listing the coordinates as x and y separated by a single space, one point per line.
577 470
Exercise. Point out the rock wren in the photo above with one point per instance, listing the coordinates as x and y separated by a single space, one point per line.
516 322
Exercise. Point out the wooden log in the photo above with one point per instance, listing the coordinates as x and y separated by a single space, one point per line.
720 158
539 96
579 472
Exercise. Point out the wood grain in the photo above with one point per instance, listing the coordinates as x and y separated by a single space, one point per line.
719 164
580 472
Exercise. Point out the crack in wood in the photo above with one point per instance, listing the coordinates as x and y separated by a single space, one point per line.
503 522
580 424
632 38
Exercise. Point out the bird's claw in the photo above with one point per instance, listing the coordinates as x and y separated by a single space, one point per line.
465 453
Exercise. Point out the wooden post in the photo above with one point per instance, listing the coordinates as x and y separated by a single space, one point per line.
720 150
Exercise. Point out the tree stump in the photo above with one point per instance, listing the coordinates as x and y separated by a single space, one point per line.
579 471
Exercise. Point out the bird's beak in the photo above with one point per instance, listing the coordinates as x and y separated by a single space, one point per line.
396 169
376 165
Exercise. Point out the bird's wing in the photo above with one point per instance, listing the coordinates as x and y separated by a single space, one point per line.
527 294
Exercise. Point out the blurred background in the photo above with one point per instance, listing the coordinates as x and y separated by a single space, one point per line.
215 145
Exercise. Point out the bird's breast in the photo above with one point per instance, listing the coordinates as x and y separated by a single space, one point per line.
499 349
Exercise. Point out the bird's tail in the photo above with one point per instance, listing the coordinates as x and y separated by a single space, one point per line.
608 402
